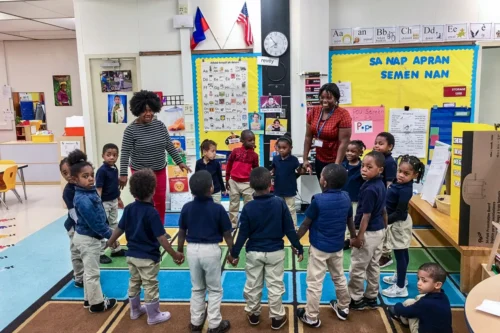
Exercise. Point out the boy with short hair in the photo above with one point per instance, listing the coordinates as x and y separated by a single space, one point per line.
326 219
431 310
205 223
107 185
264 222
239 165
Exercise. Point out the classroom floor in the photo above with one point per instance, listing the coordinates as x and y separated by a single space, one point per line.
39 296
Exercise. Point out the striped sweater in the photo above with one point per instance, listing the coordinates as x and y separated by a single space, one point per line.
144 146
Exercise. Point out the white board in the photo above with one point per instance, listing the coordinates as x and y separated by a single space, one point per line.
437 172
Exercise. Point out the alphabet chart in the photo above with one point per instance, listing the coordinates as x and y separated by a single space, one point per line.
367 122
225 95
410 129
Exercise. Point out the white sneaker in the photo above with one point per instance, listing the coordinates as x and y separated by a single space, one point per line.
395 291
393 279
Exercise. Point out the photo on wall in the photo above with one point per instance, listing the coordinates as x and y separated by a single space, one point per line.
270 104
117 109
62 90
276 126
116 81
256 123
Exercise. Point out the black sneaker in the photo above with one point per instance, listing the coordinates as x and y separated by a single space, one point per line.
341 313
86 304
301 314
120 253
385 261
108 303
195 329
104 259
224 326
370 303
78 284
357 305
253 319
276 324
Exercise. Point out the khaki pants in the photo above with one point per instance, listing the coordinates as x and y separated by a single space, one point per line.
205 268
365 261
217 197
413 322
319 261
235 191
89 248
398 236
386 244
76 259
111 209
290 202
268 266
143 272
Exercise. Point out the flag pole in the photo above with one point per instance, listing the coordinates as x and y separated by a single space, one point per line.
215 39
229 34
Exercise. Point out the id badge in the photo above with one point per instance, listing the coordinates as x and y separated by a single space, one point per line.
318 143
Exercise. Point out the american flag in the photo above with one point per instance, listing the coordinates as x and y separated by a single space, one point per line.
244 19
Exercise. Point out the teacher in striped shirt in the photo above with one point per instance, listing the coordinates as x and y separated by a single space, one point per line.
144 143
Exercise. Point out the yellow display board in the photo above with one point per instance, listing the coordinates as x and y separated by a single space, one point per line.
253 99
414 77
457 132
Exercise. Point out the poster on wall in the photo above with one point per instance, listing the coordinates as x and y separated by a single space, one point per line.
276 126
116 81
410 128
68 146
62 90
117 109
273 151
270 104
225 95
256 123
172 117
367 122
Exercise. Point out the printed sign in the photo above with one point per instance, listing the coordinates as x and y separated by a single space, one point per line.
409 34
455 91
363 126
363 35
385 35
456 31
268 61
432 33
342 36
480 30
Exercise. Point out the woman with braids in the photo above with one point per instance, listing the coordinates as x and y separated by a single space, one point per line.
145 141
328 129
398 235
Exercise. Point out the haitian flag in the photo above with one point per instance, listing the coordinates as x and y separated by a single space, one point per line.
200 26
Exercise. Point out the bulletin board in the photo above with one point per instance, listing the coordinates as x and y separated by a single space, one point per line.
253 91
399 77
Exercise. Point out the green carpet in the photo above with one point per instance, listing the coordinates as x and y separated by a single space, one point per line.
168 262
448 257
243 261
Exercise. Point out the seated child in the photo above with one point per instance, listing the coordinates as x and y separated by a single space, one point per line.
430 312
264 222
145 233
371 217
209 163
326 219
205 223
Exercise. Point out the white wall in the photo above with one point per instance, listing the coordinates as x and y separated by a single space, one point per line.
489 98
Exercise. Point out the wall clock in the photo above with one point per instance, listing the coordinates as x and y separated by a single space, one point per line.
275 44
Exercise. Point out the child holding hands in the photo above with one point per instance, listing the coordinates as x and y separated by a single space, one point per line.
208 162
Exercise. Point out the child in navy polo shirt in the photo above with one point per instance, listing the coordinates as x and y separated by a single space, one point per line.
208 162
145 233
326 219
107 184
264 222
285 169
205 223
352 163
398 233
371 217
70 224
431 311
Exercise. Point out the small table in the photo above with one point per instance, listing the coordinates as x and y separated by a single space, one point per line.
20 168
478 321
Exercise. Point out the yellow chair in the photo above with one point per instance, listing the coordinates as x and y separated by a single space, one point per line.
9 184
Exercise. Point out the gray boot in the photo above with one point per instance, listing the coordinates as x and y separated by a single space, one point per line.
136 309
154 314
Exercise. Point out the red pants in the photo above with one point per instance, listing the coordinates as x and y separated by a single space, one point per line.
160 196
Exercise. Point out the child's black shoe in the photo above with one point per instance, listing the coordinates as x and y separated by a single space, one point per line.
278 323
371 303
86 304
78 284
108 303
301 314
385 261
224 326
104 259
120 253
195 329
341 313
253 319
357 305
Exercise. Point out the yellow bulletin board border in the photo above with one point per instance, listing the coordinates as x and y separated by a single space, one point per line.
369 88
254 92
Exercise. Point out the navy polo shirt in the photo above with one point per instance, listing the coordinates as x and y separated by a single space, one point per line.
214 168
285 179
372 201
142 225
398 198
354 180
390 169
68 196
329 212
204 221
107 179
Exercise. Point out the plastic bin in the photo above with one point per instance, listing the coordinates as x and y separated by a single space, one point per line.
43 138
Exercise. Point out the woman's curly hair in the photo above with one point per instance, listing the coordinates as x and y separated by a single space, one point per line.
141 99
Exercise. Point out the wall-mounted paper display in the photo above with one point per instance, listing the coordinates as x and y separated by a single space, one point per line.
172 117
386 35
62 90
367 122
480 30
68 146
410 129
188 109
342 36
496 32
256 123
268 61
456 31
117 109
363 35
409 34
432 33
270 104
276 126
116 81
345 92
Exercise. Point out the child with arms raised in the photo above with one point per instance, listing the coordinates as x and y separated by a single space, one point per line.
208 163
264 222
145 233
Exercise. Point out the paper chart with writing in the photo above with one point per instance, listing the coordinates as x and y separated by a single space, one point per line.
434 178
68 146
410 131
225 95
367 122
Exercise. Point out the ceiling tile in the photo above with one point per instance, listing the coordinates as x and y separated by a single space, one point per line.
9 17
26 10
10 37
67 23
39 34
63 7
25 25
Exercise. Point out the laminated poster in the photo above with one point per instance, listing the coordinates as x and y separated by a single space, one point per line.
410 128
367 122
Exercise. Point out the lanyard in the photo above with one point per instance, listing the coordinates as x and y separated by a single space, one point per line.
318 129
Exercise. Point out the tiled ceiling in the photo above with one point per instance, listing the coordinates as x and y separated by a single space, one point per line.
36 19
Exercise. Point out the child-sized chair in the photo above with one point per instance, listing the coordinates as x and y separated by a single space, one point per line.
9 184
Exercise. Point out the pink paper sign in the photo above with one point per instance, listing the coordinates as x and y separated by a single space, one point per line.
367 122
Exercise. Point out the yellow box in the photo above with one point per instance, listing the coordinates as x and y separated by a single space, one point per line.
43 138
